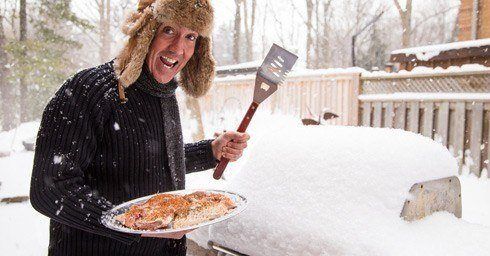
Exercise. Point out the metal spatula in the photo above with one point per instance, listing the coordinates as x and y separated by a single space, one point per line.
272 73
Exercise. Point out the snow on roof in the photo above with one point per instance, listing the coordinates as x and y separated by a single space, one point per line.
425 96
251 64
297 73
427 52
421 70
334 190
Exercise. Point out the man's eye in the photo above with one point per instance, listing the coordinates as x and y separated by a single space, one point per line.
192 37
168 31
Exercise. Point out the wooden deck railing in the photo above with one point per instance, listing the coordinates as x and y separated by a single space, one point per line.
461 124
298 96
458 121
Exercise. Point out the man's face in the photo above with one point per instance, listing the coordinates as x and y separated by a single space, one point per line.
170 50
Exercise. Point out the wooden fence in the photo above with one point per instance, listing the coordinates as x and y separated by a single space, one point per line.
458 121
460 124
450 82
298 96
452 108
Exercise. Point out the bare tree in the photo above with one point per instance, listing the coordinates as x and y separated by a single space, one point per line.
318 36
406 20
455 30
237 31
195 111
104 9
5 89
309 36
107 17
264 37
249 28
323 45
22 40
423 28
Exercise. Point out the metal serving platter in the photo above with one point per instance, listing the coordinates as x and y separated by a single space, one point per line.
108 218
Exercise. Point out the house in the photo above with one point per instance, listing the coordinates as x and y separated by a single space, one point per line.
474 20
473 46
443 55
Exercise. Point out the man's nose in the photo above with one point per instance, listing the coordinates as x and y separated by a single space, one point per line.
177 45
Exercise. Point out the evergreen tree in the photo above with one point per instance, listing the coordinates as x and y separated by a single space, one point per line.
42 59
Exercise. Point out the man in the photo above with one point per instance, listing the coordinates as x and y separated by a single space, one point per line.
112 133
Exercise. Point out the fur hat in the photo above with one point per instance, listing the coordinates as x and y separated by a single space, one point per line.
197 75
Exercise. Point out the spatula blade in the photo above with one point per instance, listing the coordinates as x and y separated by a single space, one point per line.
273 71
277 64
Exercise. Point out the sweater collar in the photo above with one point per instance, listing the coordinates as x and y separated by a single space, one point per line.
147 83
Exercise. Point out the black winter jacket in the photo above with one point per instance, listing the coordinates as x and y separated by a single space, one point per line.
93 152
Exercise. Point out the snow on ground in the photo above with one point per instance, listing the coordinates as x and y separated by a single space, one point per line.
15 174
28 231
476 199
12 140
24 231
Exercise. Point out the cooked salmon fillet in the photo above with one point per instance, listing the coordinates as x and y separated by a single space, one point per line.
176 211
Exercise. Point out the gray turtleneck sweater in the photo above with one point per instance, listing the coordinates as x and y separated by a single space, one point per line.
93 152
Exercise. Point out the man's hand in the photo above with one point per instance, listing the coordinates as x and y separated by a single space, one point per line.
230 145
176 235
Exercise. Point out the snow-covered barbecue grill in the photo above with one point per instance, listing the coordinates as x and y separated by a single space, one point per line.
340 191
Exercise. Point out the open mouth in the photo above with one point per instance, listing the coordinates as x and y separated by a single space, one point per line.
168 62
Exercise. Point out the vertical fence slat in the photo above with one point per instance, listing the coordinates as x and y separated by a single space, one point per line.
355 89
347 103
400 116
476 137
443 123
378 110
389 115
366 114
339 99
413 117
488 144
458 134
428 124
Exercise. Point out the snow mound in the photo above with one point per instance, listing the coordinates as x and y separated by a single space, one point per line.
12 140
339 191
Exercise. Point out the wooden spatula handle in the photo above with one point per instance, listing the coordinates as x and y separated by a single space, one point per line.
218 172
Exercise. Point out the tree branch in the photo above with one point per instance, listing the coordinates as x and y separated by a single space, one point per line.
399 8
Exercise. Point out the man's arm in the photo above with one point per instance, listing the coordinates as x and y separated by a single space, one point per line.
205 154
199 156
65 146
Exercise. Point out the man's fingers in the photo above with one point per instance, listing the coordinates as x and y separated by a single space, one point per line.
170 236
237 136
231 157
235 145
176 235
232 151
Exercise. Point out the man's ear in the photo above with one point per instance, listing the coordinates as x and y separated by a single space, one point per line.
197 76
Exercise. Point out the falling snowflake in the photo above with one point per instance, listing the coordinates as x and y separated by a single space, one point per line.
57 159
59 211
116 127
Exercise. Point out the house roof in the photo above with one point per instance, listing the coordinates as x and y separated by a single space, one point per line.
441 52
